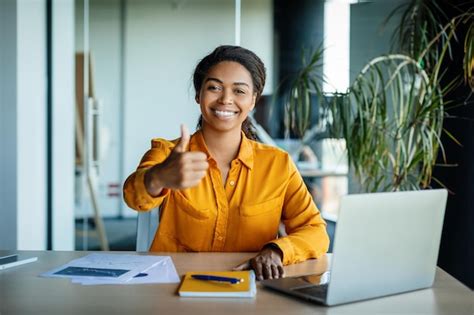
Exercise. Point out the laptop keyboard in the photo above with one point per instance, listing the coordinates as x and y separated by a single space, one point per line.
316 290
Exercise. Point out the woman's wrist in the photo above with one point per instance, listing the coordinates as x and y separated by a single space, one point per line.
152 182
275 248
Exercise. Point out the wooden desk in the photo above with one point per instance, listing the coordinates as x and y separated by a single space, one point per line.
22 292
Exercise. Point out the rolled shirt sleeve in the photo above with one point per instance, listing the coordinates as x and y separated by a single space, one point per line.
134 191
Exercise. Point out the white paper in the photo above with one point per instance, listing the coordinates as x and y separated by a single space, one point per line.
128 265
162 272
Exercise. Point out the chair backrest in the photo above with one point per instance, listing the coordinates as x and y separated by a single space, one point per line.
147 223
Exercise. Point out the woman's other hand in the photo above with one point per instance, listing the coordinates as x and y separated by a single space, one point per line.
182 169
267 264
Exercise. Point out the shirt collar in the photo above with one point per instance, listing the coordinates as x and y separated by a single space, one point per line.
245 155
246 151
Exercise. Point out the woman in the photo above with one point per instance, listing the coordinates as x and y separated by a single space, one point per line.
218 190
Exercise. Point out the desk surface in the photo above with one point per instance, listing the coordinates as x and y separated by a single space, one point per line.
23 292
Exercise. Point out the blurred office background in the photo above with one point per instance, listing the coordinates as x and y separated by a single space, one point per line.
86 84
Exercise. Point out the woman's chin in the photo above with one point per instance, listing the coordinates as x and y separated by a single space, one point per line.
223 123
225 126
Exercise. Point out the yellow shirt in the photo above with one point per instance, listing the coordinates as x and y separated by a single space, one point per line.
263 187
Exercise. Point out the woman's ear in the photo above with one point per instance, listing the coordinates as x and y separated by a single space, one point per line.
197 98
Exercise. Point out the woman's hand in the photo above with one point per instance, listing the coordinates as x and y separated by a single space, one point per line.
182 169
267 264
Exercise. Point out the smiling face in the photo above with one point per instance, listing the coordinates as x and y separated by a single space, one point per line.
226 96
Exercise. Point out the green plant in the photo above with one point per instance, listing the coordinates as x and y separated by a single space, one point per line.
302 87
391 120
425 33
392 114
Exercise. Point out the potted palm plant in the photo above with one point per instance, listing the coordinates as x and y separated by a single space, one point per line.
392 115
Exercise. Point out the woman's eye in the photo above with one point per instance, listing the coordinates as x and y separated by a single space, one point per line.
240 91
213 88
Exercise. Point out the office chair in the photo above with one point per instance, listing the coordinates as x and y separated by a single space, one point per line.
147 223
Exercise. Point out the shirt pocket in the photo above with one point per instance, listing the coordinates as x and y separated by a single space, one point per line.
183 204
266 207
259 223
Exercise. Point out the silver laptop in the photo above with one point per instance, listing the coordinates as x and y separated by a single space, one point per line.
385 243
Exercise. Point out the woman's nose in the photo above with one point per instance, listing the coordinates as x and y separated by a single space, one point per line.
226 97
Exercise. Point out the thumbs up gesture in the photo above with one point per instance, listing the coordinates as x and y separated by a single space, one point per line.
183 142
182 169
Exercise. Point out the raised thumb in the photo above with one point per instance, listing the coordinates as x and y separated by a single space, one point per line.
183 143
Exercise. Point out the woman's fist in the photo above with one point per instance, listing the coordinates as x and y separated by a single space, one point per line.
182 169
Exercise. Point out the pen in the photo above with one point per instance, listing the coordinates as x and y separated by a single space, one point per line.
217 278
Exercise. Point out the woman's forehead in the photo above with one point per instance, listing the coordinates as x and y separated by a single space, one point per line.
229 72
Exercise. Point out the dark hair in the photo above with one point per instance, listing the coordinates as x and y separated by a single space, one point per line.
243 56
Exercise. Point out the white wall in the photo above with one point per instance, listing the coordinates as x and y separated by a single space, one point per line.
8 134
31 124
23 124
63 102
257 34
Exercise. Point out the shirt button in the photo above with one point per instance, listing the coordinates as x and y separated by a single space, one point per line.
232 183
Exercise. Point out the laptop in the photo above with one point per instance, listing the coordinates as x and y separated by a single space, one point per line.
385 243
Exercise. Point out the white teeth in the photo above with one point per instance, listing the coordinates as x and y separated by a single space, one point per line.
224 113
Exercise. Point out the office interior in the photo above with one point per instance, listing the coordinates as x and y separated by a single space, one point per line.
121 70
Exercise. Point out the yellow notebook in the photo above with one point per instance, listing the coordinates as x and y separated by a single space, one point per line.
203 288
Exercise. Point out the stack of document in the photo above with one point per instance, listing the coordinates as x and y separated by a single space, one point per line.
99 268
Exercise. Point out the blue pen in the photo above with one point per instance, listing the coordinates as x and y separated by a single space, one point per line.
217 278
